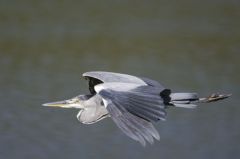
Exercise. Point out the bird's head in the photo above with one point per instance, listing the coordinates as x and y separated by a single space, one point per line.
75 102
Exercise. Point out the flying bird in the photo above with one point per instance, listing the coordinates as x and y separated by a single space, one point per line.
132 102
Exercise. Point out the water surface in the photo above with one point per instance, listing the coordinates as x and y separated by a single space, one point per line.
45 46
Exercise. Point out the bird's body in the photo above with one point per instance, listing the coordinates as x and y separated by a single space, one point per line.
132 102
93 110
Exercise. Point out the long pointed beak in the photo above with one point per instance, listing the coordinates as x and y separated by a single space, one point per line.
62 104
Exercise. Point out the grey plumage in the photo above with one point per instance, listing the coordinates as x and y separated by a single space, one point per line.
148 106
132 102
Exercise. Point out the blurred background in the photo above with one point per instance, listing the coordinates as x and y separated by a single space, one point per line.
187 45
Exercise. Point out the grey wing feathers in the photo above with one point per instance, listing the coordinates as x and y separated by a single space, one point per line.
132 111
118 77
151 82
140 102
133 126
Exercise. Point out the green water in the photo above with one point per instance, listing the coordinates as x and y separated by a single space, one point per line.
45 46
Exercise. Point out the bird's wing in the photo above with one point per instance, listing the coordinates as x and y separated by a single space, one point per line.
114 77
118 77
151 82
97 77
132 107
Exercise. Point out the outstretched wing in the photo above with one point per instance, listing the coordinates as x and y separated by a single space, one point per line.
97 77
133 107
114 77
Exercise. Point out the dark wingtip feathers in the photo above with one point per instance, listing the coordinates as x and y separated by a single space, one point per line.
165 94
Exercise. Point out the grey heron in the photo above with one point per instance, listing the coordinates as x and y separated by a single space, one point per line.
132 102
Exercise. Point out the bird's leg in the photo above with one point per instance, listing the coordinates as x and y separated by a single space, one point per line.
214 97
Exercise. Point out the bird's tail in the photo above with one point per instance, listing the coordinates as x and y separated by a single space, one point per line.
189 100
